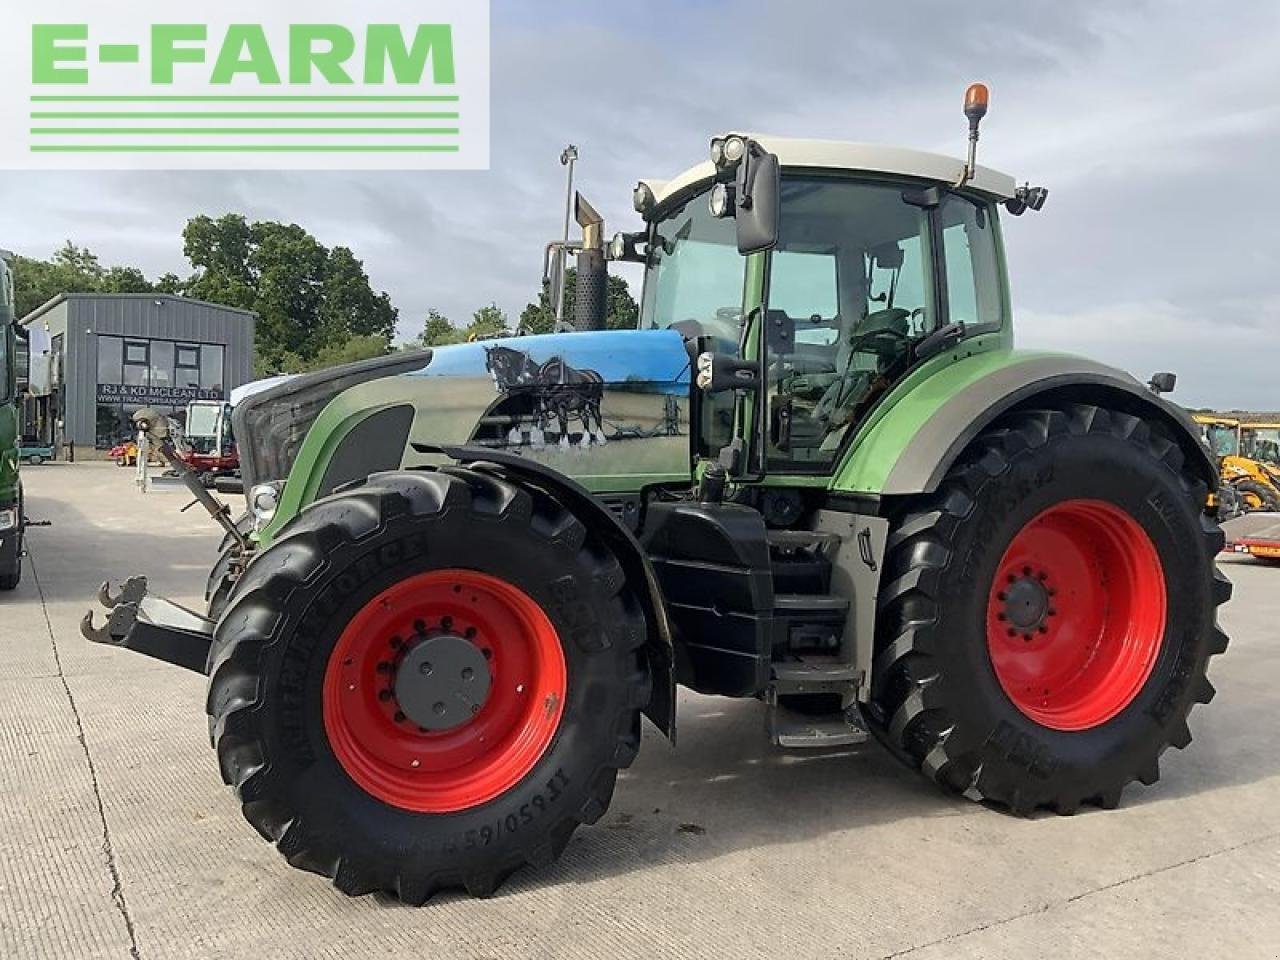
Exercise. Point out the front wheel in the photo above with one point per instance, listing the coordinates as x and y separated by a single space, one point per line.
426 682
1046 619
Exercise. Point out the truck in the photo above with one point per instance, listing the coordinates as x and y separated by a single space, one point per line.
818 475
12 519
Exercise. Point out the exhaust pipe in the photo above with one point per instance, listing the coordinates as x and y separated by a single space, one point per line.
589 300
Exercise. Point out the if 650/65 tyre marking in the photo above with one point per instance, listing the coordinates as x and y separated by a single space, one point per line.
512 822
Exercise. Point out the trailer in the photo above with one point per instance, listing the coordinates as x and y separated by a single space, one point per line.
1253 535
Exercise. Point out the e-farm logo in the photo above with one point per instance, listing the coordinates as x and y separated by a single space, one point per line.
326 84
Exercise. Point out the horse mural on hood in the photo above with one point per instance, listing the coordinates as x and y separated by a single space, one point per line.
559 391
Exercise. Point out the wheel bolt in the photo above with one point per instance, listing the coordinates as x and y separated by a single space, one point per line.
1026 571
1001 617
488 654
446 623
1043 628
467 673
1013 632
1026 638
425 669
384 695
1042 576
419 626
1053 612
396 643
470 633
384 667
1002 597
475 708
438 709
399 716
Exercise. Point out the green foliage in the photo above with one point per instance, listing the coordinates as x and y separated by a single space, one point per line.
488 322
349 351
438 331
72 269
309 299
621 310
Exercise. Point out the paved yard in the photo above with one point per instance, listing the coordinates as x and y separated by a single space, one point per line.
117 838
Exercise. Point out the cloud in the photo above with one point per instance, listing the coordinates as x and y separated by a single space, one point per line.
1154 125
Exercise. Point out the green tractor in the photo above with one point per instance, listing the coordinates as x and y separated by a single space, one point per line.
818 475
12 521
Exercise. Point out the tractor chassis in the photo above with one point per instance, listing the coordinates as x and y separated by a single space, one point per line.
152 626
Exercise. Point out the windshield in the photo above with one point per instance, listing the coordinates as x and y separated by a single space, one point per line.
202 421
1221 439
1264 443
694 272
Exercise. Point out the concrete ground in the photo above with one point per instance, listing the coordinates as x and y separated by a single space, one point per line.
117 838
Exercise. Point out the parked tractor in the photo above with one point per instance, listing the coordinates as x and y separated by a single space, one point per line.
12 518
818 476
1254 482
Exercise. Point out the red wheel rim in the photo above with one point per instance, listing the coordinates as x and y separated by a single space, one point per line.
398 761
1076 614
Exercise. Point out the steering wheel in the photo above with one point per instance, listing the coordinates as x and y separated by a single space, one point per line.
884 342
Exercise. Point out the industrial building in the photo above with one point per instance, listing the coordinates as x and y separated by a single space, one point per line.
97 358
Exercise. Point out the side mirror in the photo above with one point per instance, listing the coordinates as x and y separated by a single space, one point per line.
1163 382
758 196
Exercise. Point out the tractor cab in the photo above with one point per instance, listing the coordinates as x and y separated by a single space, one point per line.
866 269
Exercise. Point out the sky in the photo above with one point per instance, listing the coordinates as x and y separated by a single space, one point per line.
1156 127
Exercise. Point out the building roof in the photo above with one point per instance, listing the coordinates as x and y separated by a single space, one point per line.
168 297
845 155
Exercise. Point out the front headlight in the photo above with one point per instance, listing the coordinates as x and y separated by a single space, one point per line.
9 519
264 499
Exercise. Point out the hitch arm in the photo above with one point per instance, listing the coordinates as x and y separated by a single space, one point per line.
152 626
220 512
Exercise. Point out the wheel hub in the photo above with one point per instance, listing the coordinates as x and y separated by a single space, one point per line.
442 682
1026 604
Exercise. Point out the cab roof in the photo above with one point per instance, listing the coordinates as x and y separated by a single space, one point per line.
845 155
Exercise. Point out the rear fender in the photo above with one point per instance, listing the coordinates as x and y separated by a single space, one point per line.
910 448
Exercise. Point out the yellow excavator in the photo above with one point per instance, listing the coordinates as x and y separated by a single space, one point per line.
1235 444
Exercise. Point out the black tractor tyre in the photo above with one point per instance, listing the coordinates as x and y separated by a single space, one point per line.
10 581
1252 490
288 614
937 701
221 580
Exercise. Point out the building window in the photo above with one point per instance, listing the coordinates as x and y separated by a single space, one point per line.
211 359
161 363
110 359
135 351
187 369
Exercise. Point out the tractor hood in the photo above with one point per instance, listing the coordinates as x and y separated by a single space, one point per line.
610 406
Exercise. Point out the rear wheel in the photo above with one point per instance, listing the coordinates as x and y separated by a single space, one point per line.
1047 617
1257 496
426 682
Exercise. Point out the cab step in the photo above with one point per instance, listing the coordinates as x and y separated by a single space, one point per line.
794 730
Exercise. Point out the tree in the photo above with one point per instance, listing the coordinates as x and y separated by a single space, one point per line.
333 355
350 305
438 331
219 252
488 322
308 299
126 280
71 269
621 311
